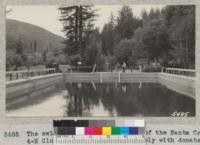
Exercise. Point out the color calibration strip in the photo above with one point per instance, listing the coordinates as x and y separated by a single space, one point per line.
103 127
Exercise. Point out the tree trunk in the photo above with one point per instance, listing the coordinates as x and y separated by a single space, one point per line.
186 49
80 31
76 24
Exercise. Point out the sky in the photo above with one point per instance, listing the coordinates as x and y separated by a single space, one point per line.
47 17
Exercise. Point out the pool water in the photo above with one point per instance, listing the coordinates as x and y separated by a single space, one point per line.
106 99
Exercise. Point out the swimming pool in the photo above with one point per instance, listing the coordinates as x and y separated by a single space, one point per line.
104 99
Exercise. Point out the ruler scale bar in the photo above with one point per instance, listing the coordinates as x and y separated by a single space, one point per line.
99 140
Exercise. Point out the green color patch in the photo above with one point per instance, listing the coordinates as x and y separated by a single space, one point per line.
115 130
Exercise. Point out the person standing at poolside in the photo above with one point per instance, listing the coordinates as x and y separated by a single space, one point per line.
124 66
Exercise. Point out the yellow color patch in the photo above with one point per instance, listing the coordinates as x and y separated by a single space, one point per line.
106 130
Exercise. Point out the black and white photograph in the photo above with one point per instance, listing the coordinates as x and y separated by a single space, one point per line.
100 61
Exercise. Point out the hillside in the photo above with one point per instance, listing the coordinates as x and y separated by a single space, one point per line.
33 37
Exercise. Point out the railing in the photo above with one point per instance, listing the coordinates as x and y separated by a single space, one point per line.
177 71
22 74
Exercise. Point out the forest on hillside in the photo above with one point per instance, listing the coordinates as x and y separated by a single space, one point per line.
165 36
28 45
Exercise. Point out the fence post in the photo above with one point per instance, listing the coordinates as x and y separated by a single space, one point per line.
17 76
101 77
119 77
10 76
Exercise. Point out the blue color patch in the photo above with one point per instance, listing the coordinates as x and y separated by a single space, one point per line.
124 130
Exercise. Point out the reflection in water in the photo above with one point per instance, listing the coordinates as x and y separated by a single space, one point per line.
113 99
140 85
126 99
